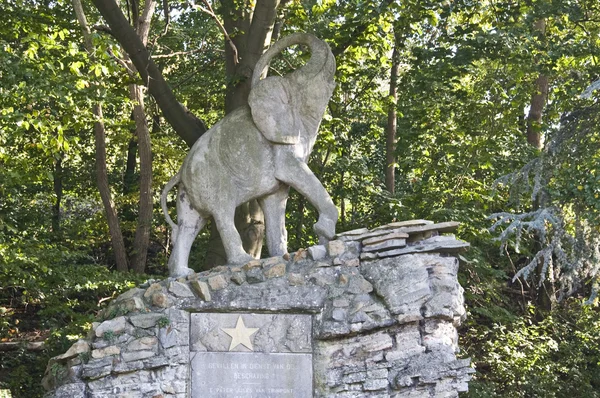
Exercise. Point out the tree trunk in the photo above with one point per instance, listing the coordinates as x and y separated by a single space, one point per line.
129 175
142 232
545 296
142 133
390 133
114 228
534 119
538 100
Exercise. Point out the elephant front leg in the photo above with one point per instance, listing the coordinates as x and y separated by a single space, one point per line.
294 172
273 207
189 223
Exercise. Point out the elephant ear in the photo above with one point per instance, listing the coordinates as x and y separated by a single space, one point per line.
273 110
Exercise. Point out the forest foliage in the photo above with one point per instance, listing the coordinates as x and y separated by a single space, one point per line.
469 76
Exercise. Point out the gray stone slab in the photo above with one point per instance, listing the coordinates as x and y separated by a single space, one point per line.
444 244
386 245
382 238
251 375
358 231
281 333
409 223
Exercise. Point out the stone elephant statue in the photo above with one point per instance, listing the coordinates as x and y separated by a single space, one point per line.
257 152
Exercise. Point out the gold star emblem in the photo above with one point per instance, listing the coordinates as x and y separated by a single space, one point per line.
240 334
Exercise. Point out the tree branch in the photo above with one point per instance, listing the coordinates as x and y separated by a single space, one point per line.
209 10
182 122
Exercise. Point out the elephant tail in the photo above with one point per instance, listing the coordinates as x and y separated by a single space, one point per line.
163 200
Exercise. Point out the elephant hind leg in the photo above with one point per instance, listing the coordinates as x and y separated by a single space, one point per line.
189 224
273 207
230 237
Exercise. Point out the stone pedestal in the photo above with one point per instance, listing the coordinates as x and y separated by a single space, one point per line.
371 314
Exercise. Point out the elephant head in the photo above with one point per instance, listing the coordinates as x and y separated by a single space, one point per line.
287 108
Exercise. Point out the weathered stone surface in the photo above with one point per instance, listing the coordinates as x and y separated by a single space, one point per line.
402 283
266 262
444 244
97 368
180 289
353 232
296 279
160 300
252 264
106 351
409 223
217 282
152 289
145 321
137 355
73 390
255 275
135 292
368 256
275 271
385 245
143 343
317 252
116 325
439 227
335 248
382 238
238 277
201 289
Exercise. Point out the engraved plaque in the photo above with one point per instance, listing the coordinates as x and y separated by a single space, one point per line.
251 355
251 375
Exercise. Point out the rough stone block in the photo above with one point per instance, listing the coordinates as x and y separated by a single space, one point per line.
317 252
116 325
252 264
143 343
137 355
160 300
218 282
255 275
106 351
385 245
238 277
201 289
146 321
296 279
180 289
382 238
275 271
335 248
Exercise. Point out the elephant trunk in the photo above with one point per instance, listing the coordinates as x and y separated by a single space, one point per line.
321 58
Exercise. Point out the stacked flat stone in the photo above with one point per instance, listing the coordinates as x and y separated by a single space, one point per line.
385 304
405 237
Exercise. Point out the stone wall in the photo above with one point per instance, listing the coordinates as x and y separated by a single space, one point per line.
384 306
